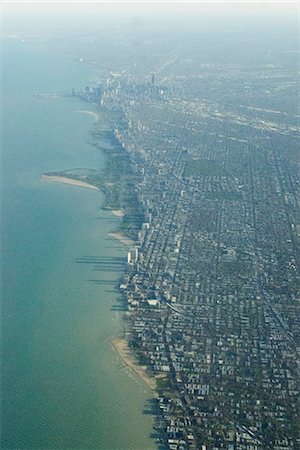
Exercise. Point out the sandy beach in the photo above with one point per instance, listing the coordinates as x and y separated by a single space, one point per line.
91 113
121 346
118 213
66 180
121 238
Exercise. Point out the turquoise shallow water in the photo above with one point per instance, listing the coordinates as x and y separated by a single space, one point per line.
63 386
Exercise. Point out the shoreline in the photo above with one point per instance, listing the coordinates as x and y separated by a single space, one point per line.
71 181
90 113
118 213
121 347
118 345
121 238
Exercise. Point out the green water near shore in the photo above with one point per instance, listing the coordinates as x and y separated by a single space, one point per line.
63 385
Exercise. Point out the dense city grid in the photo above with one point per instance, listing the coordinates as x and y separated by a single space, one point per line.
204 114
212 282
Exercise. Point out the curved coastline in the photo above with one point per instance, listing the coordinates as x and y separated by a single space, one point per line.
90 113
119 345
72 181
126 355
72 315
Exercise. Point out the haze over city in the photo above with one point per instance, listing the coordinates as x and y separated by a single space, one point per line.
150 225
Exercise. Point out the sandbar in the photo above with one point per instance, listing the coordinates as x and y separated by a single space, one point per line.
118 212
91 113
121 346
71 181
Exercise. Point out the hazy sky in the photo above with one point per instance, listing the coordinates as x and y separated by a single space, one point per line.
183 5
138 9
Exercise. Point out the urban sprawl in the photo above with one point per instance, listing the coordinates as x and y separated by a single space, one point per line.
210 190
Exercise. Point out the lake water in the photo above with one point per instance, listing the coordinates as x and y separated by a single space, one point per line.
63 386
